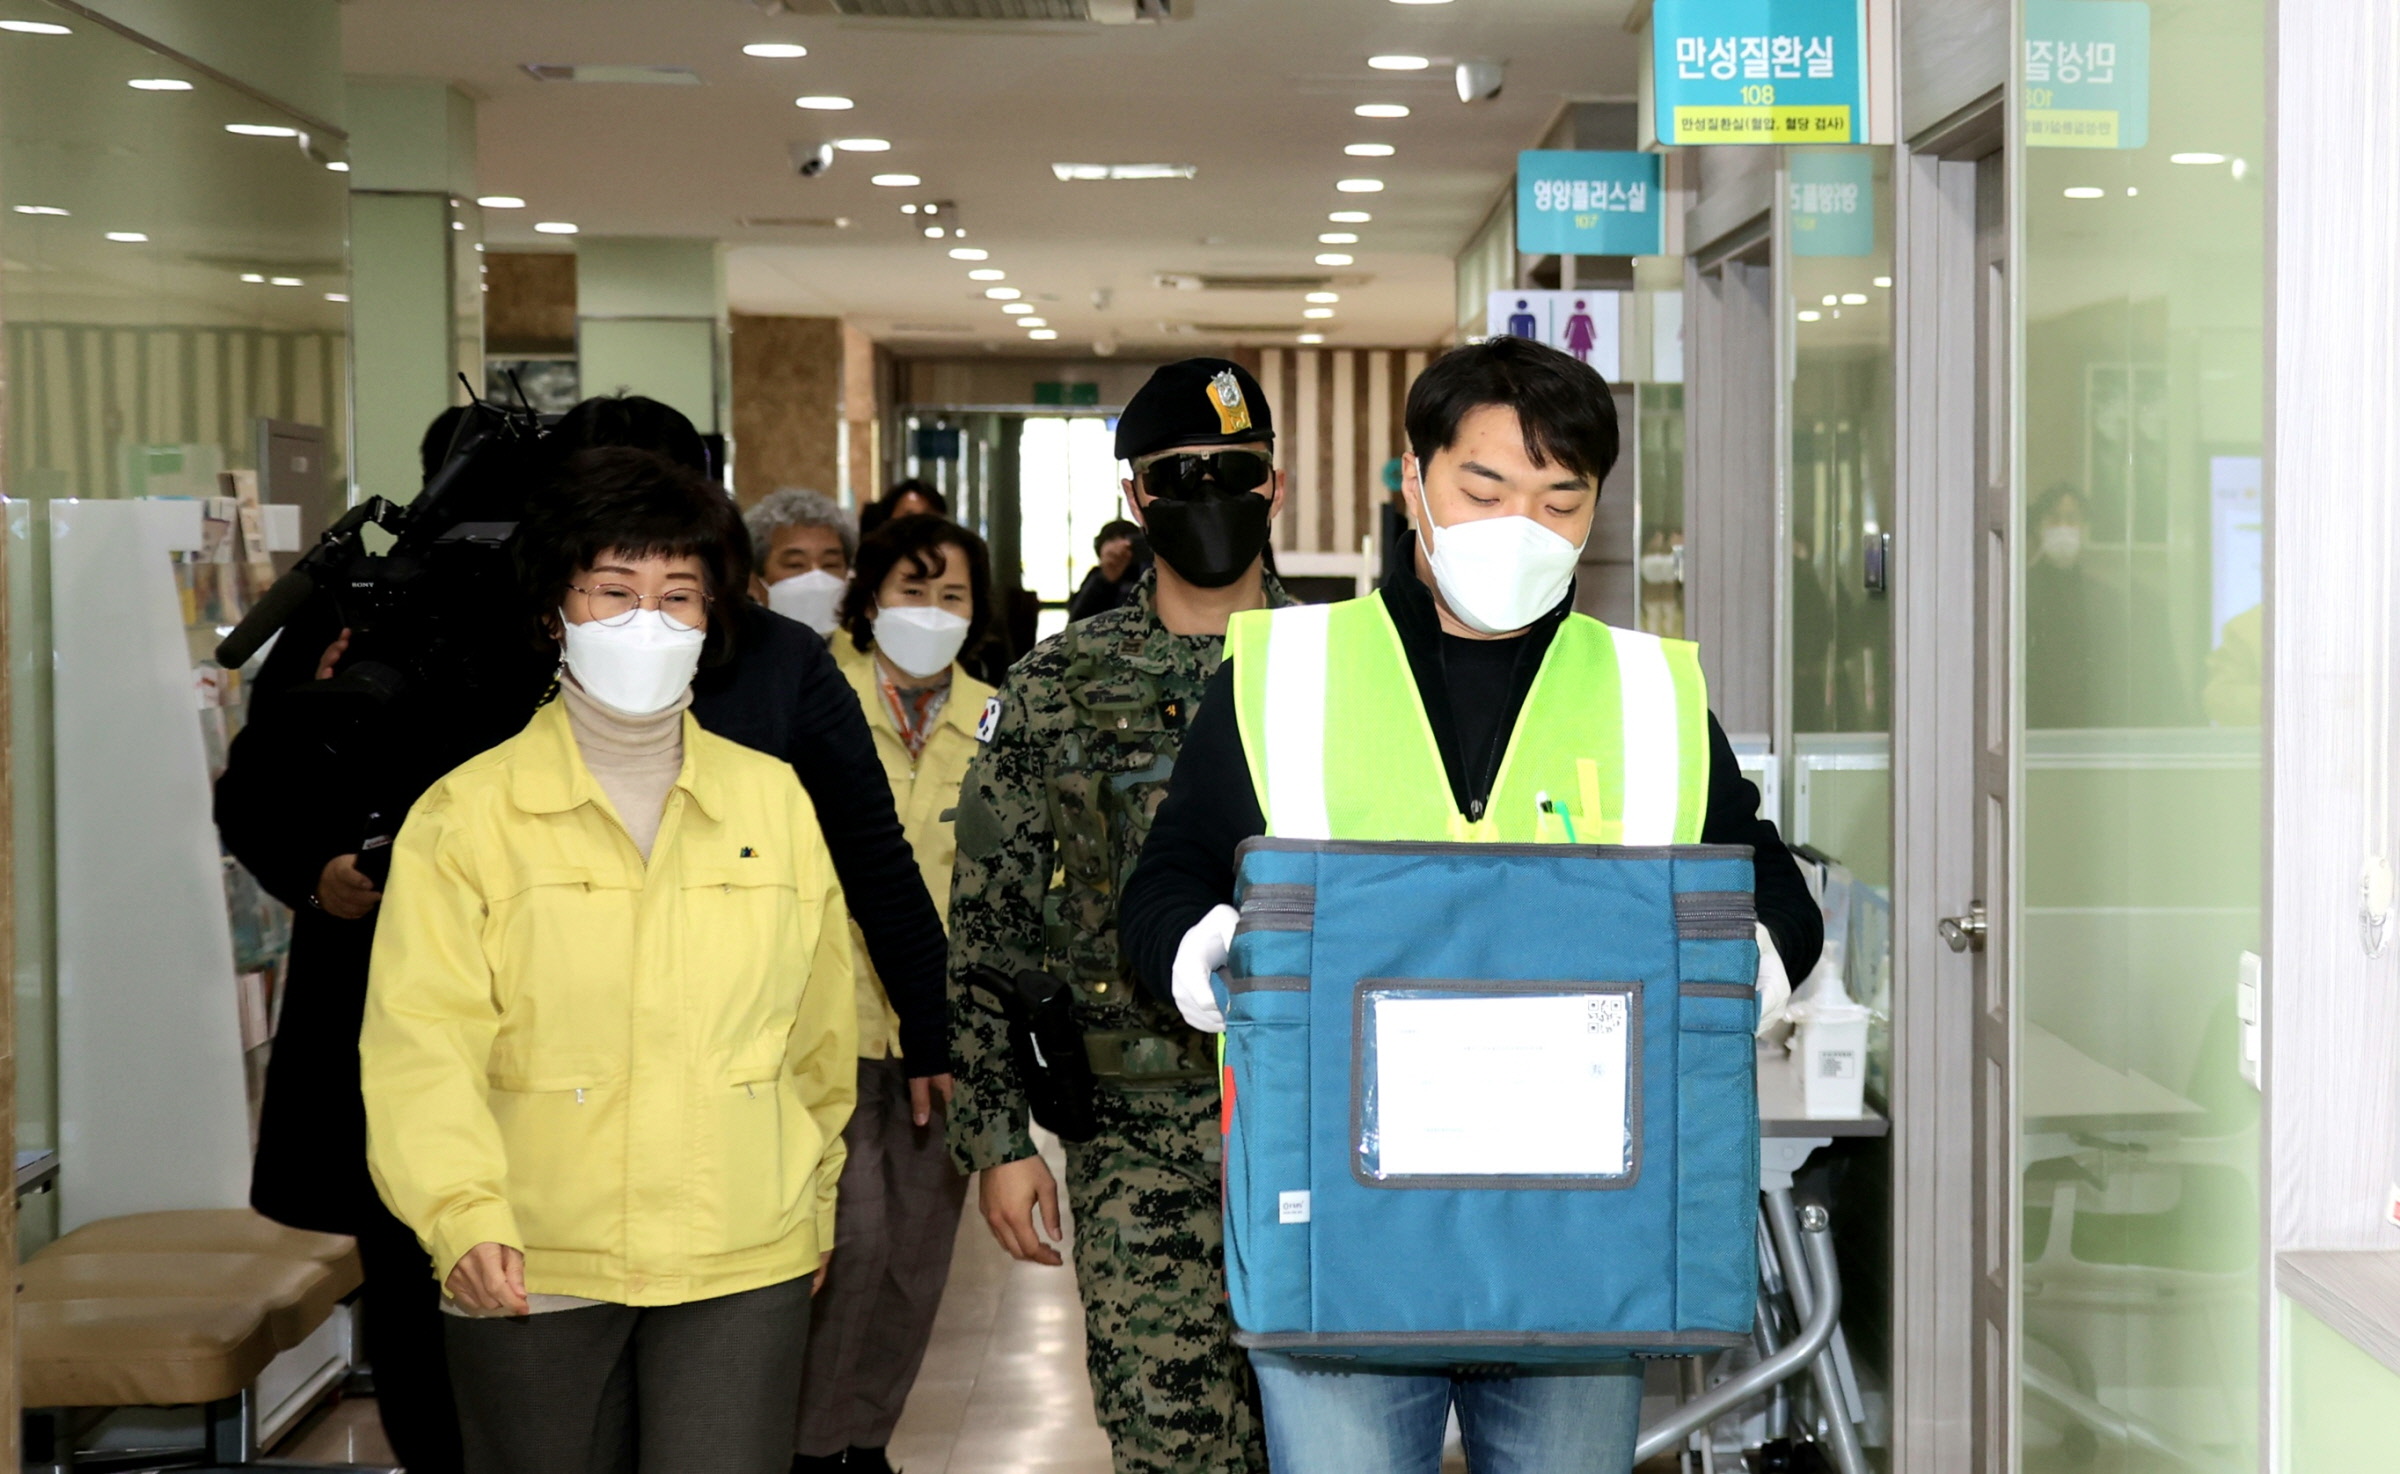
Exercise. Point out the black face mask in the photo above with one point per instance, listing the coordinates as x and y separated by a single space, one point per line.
1210 540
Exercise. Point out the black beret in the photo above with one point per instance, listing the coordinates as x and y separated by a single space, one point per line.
1200 401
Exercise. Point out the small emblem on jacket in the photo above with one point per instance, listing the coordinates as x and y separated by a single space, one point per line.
990 722
1225 392
749 853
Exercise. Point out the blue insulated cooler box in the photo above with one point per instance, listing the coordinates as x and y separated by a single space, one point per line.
1491 1103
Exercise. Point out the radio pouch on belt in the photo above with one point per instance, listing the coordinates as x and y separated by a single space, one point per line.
1491 1103
1047 1045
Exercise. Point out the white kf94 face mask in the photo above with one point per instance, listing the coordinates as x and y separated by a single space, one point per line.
813 598
1497 574
637 667
918 639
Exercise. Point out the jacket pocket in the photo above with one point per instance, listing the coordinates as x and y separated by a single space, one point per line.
763 1166
565 1143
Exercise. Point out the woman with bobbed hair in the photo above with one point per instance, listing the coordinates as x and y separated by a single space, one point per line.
610 1041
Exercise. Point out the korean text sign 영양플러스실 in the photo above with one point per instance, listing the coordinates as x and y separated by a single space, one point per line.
1586 203
1760 71
2087 74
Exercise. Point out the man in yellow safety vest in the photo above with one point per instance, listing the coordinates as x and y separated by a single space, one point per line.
1464 701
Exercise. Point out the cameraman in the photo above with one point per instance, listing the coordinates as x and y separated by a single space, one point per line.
295 811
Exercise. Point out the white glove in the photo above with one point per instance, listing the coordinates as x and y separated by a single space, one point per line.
1197 959
1774 984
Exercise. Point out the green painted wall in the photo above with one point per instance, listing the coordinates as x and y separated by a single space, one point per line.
290 50
651 320
400 332
2341 1407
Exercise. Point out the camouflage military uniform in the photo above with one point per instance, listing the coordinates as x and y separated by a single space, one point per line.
1078 748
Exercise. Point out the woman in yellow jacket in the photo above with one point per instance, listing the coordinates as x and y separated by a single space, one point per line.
920 590
610 1041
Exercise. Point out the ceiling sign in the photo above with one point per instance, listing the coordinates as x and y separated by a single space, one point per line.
1832 204
2087 74
1582 323
1760 71
1589 204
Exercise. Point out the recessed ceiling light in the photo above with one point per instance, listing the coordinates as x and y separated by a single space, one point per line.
987 273
1883 281
285 281
1338 238
159 84
896 181
1381 110
556 227
1359 186
934 232
337 296
39 210
1067 173
338 166
2086 192
1368 150
2131 191
863 145
1398 63
908 209
1854 299
1312 337
2196 158
1317 312
969 253
262 130
1033 322
500 202
1015 308
458 225
1349 217
1332 258
1812 316
1043 334
256 277
34 28
824 104
127 237
1002 294
1322 297
775 50
1832 300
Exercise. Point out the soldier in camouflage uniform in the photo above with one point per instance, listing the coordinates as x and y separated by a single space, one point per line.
1078 748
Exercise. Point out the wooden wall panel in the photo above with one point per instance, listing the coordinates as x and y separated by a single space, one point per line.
788 395
530 310
1338 420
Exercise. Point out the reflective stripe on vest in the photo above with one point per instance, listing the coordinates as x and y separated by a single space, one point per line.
1613 734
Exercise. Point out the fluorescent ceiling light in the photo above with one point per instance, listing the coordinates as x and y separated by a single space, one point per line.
1043 334
338 166
1349 217
1399 63
1002 294
1381 110
824 104
1831 300
2086 192
1323 297
1420 2
337 296
1312 337
934 232
159 84
500 202
1883 281
127 237
896 181
969 253
551 71
39 210
1071 172
987 273
775 50
556 227
252 276
2196 158
1317 312
285 281
863 145
34 28
458 225
1333 258
1359 186
1854 299
1368 150
1812 316
262 130
1015 308
1033 322
1338 238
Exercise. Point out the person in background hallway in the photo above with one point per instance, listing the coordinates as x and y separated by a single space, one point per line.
1077 749
1509 443
922 592
910 498
1122 564
610 1040
2102 648
801 543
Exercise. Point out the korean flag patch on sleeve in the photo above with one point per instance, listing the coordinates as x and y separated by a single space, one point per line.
990 721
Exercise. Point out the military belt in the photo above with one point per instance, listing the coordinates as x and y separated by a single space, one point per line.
1142 1059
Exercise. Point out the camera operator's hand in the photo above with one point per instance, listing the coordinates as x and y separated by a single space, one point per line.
343 889
332 656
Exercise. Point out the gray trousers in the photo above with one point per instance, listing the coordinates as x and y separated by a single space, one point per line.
700 1388
895 1223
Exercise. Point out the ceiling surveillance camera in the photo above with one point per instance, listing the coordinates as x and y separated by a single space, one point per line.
1479 80
812 159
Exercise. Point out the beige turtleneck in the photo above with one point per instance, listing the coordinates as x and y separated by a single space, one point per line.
635 759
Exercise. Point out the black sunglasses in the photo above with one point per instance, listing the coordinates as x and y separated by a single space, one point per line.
1184 475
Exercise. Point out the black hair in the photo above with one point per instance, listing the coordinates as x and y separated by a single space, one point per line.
881 510
616 499
633 421
1110 532
920 542
1562 404
434 448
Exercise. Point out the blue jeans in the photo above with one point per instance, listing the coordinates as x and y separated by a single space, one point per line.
1323 1418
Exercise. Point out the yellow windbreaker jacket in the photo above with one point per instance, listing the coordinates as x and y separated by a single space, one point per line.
637 1075
925 792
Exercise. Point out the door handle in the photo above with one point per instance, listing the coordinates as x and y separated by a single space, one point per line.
1966 933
